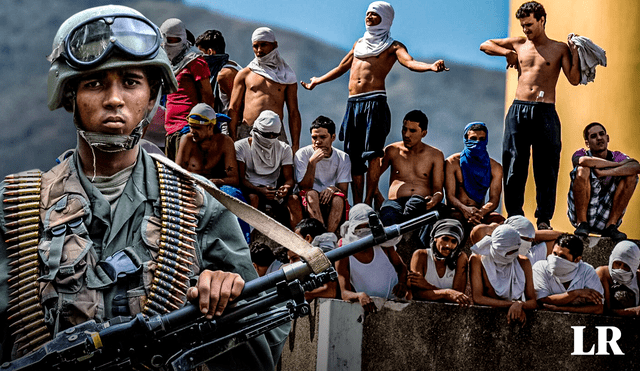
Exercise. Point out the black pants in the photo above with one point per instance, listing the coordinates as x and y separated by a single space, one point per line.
536 126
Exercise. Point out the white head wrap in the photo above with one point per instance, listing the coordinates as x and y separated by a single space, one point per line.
173 27
525 229
377 38
264 151
628 253
503 270
271 66
359 214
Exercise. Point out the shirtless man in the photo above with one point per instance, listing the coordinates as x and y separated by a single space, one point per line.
417 172
532 120
206 151
260 87
367 121
469 175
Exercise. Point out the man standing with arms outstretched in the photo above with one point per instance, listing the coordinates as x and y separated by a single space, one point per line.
532 120
367 121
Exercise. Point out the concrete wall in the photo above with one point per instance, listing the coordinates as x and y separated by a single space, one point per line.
437 336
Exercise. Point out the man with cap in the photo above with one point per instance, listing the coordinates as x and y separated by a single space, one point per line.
267 83
208 152
440 271
469 175
104 202
565 283
376 271
367 120
192 74
620 280
500 277
262 158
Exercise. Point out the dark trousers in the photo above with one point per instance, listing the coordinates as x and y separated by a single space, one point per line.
531 126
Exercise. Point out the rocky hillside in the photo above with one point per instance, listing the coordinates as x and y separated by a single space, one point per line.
32 136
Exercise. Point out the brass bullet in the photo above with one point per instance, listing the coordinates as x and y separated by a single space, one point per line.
149 312
152 304
23 185
24 267
178 228
175 234
171 279
24 296
25 252
22 237
153 297
175 241
167 286
27 319
173 264
25 259
23 206
23 214
179 214
23 191
173 272
179 221
25 288
24 304
23 282
174 249
169 205
30 220
26 178
23 312
173 256
176 189
34 342
35 333
23 229
24 245
176 201
177 195
29 198
166 294
29 326
25 274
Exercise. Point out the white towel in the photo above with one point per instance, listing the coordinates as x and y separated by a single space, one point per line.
591 55
271 66
377 38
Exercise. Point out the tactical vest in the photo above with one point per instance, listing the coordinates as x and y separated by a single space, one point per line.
57 278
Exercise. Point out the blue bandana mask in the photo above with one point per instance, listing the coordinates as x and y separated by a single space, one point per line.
476 166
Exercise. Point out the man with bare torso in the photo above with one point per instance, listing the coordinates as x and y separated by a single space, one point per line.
208 152
267 83
532 120
469 175
417 172
367 121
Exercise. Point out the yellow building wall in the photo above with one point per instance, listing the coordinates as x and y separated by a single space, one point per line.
613 99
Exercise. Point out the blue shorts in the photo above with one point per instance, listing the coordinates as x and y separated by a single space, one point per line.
365 127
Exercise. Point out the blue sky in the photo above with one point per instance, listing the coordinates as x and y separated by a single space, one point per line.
452 30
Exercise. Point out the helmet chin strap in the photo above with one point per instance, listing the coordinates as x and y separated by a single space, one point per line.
115 142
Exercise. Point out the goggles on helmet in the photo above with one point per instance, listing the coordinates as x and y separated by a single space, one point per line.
92 41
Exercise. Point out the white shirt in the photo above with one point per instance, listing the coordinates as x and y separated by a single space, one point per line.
243 154
329 171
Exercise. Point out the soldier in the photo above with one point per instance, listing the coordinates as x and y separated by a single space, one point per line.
109 207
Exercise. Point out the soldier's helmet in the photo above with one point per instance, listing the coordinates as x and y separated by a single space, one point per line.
102 38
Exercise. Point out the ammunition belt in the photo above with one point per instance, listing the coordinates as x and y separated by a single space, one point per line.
171 276
22 214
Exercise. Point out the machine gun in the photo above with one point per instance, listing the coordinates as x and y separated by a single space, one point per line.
183 339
